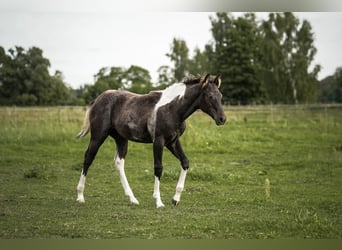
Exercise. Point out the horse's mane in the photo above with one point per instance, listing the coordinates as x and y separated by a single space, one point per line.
189 80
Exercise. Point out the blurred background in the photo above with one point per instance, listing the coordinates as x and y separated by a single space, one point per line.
67 54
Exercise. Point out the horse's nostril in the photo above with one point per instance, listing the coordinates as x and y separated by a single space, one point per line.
221 120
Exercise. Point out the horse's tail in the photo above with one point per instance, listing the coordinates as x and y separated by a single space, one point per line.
86 123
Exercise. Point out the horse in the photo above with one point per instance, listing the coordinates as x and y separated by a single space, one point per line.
157 117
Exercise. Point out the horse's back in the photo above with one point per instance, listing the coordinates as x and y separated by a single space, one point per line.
127 112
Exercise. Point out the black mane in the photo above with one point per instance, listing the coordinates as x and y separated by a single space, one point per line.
189 80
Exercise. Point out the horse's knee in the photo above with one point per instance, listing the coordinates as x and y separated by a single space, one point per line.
185 163
119 163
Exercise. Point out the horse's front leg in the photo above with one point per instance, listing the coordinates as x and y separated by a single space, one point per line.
177 150
158 146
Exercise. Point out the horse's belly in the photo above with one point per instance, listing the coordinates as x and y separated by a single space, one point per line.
134 132
140 136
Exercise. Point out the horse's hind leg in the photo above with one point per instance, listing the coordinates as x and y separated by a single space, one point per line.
94 145
119 161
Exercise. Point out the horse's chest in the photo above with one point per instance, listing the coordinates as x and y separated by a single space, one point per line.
170 132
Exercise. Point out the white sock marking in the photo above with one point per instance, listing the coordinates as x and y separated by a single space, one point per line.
80 188
156 193
180 185
120 166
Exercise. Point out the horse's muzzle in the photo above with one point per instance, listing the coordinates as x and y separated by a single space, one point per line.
221 120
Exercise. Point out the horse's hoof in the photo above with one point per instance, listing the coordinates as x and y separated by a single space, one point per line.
134 201
174 202
81 201
160 205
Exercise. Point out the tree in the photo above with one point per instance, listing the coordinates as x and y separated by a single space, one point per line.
199 64
234 54
135 79
179 55
338 81
58 92
25 79
288 51
165 76
330 88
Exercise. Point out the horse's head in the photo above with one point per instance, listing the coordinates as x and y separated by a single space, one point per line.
211 99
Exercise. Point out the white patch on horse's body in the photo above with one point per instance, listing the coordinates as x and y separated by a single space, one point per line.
120 166
169 94
132 125
180 186
156 193
80 188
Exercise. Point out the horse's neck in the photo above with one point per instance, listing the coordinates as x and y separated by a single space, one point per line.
192 103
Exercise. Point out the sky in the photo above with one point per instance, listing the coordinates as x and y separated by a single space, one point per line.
79 38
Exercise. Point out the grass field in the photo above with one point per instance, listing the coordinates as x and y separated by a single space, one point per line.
298 149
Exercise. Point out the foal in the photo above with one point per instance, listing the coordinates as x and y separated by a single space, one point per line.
157 117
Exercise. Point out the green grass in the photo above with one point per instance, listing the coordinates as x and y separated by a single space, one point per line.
299 149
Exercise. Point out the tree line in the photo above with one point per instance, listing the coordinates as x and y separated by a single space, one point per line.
25 79
260 61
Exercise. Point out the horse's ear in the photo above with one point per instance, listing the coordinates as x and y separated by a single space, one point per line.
205 81
217 81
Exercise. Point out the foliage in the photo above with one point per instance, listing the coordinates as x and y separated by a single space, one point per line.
288 52
260 61
199 64
165 76
235 56
297 148
179 55
330 88
25 79
135 79
183 65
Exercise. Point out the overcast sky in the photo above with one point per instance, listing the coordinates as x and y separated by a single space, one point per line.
79 39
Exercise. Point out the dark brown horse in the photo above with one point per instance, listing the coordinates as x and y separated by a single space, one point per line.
158 118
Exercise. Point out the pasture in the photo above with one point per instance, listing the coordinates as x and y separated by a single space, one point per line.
270 172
